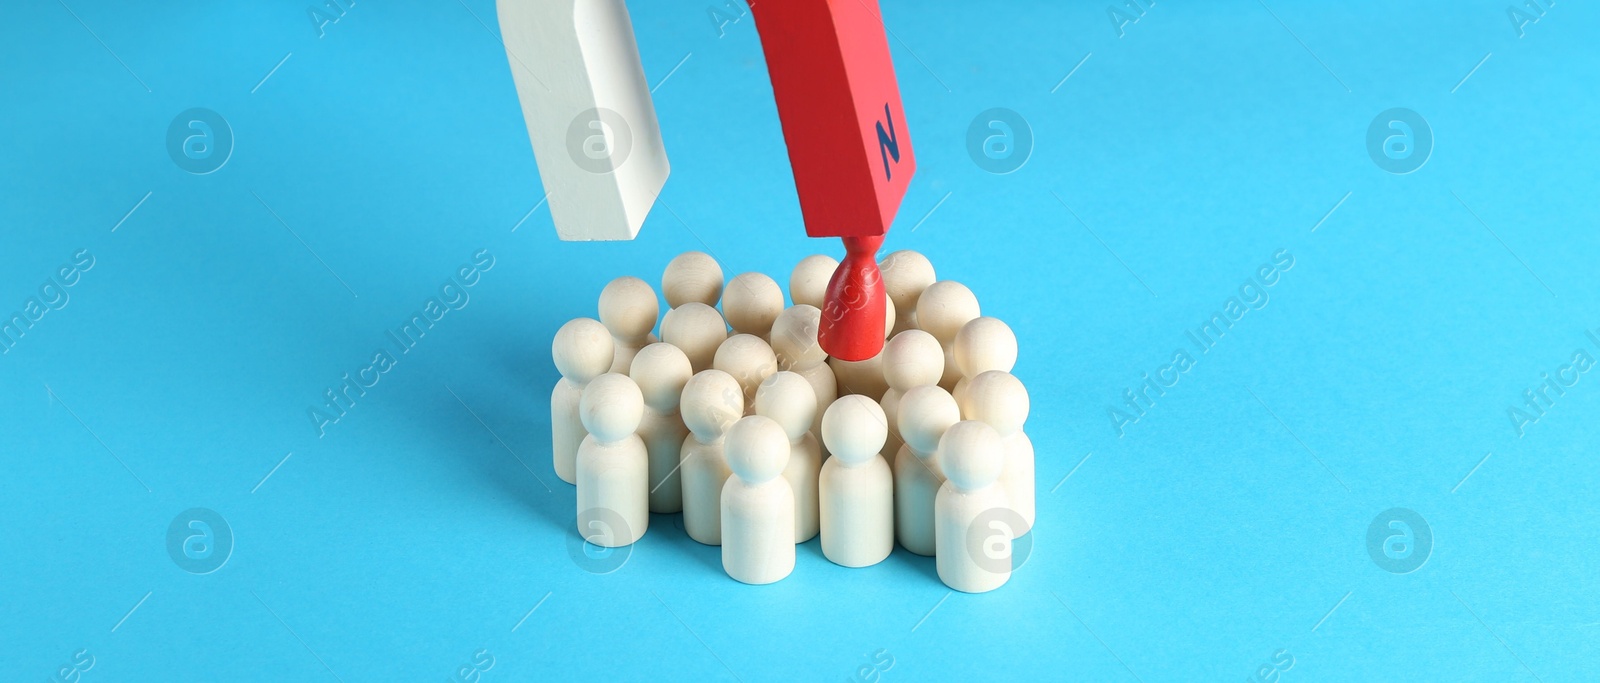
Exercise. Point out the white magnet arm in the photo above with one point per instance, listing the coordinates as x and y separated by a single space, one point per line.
587 105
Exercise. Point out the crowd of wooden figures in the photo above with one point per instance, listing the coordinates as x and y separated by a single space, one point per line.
762 441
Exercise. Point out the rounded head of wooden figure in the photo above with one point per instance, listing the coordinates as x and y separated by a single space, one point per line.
697 329
692 276
749 359
905 274
628 307
712 400
925 413
998 399
757 449
854 428
661 370
944 307
970 455
794 337
582 350
985 344
808 284
912 359
611 408
751 302
790 401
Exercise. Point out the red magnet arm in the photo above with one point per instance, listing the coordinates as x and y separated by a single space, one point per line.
848 145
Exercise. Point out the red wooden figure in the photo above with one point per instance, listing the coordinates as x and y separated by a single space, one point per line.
848 144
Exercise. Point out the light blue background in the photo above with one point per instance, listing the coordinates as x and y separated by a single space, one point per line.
1228 523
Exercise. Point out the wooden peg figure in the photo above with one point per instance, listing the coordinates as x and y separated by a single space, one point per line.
856 490
912 359
628 309
905 274
999 400
972 557
613 468
757 503
794 342
750 360
942 309
712 401
787 398
582 350
925 413
983 344
661 371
